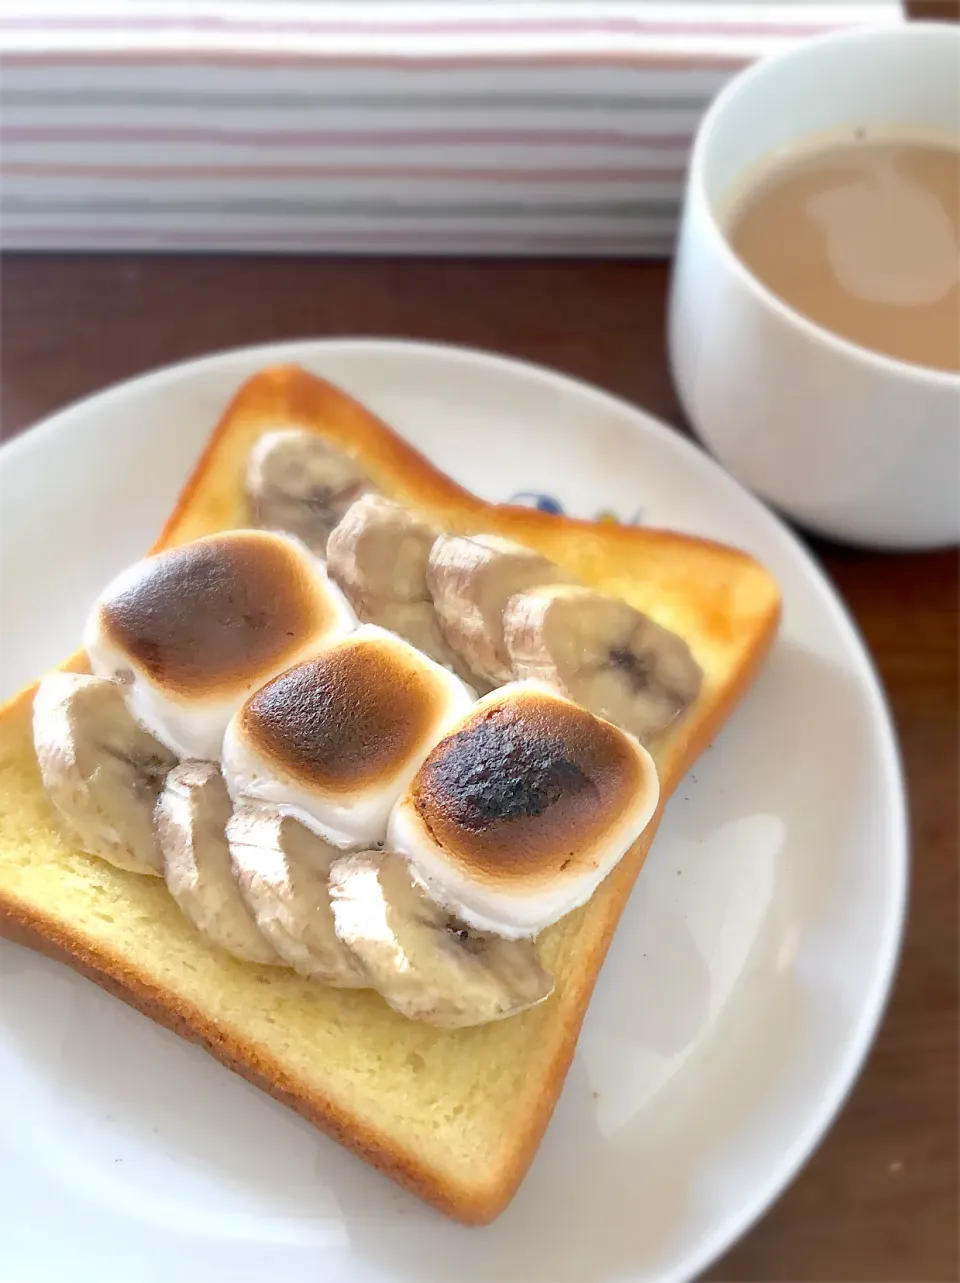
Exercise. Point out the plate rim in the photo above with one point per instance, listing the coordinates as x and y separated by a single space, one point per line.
846 1068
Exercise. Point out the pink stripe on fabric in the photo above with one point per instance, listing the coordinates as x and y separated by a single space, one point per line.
342 138
662 60
622 26
145 173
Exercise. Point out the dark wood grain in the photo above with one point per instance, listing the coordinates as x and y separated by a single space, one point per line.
878 1200
934 10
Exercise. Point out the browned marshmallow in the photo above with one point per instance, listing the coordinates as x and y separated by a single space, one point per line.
518 814
193 630
336 739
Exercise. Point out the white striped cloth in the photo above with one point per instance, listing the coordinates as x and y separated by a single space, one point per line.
497 128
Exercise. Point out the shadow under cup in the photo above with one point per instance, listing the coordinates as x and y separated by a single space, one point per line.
850 443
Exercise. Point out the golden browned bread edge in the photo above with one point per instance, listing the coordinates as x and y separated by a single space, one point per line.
309 400
109 972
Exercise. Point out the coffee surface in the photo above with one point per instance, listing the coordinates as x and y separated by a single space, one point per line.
863 239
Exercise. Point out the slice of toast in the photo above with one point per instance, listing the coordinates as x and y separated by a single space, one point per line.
453 1115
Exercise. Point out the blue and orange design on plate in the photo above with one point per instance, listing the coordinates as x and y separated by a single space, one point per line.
547 503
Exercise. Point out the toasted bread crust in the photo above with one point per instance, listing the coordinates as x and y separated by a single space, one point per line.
288 396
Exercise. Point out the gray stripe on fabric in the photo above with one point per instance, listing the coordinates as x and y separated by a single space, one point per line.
367 102
385 208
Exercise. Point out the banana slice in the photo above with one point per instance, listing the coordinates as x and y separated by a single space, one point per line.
471 579
102 771
380 550
299 483
426 964
602 654
281 869
192 815
377 556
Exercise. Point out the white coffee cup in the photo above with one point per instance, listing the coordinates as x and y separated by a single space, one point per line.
849 443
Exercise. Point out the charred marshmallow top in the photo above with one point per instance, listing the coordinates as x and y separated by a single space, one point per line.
517 816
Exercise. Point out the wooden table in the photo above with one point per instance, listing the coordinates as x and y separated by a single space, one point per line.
878 1200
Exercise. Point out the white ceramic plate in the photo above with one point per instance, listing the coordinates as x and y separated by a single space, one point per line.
742 989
